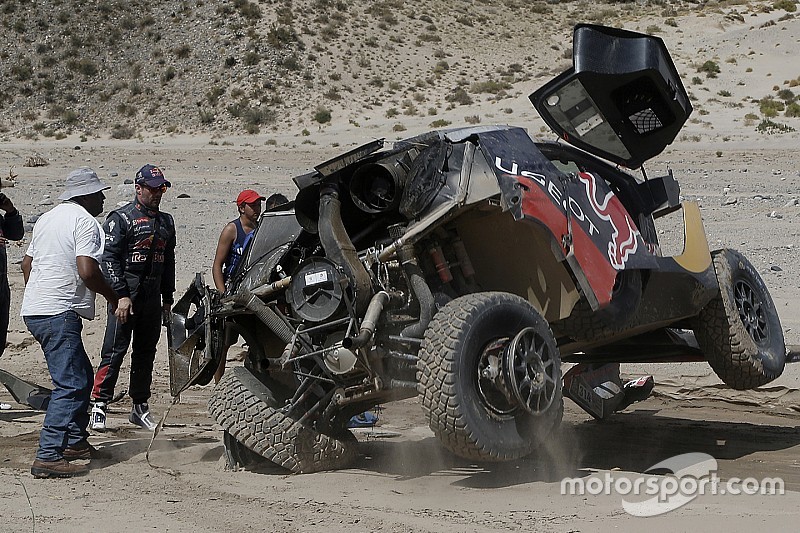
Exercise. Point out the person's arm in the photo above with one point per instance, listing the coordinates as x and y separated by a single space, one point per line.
13 228
115 254
93 278
224 245
27 262
168 275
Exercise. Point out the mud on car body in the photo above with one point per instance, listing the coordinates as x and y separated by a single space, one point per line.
466 266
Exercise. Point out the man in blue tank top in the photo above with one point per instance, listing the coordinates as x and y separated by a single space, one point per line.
232 241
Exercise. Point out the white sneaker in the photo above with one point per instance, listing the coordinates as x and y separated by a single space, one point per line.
140 415
98 416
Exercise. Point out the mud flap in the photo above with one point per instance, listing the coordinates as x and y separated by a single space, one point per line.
191 338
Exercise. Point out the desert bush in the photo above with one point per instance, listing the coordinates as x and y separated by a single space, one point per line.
22 70
459 96
290 62
792 110
768 126
183 51
392 112
332 94
697 80
213 95
322 115
168 75
122 131
491 86
281 36
248 10
710 68
251 58
84 66
786 95
472 119
69 117
398 127
465 20
724 93
429 38
207 116
440 123
363 61
787 5
770 107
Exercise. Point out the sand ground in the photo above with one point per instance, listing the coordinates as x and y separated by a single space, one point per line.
404 480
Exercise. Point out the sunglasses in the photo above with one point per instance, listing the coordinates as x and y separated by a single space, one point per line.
161 188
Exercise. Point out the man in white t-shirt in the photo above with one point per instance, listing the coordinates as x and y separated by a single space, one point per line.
62 275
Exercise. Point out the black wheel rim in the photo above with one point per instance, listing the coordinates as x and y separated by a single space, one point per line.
532 371
752 311
490 379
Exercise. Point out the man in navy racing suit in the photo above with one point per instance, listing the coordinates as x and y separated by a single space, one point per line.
139 263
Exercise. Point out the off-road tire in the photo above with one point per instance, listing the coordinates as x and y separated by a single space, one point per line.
585 324
447 372
247 408
739 330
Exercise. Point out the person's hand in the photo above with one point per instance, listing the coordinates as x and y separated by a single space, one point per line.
166 315
124 309
6 204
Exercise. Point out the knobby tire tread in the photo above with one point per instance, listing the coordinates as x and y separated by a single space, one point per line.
272 434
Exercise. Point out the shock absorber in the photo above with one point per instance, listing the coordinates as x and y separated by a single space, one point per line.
437 256
463 259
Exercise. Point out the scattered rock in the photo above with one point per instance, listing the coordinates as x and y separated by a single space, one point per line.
126 189
127 181
183 195
113 174
792 202
32 219
35 161
730 201
77 148
776 268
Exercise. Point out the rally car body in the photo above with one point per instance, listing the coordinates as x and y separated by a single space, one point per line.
466 266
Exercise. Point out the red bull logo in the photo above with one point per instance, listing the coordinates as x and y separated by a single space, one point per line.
624 241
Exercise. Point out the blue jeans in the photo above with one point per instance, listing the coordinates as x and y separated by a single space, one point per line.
71 371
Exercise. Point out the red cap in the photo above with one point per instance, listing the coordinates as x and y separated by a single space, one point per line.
248 196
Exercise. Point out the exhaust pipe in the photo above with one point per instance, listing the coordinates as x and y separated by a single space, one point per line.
338 246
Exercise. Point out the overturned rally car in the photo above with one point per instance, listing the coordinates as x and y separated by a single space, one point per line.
466 266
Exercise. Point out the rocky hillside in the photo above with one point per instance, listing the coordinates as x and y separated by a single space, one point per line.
128 68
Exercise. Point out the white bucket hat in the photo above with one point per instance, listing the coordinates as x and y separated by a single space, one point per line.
82 181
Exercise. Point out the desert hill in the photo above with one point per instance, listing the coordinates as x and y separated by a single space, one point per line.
137 68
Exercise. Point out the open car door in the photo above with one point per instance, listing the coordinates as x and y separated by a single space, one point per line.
622 100
191 338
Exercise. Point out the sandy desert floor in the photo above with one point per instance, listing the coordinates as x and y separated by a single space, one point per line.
404 480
